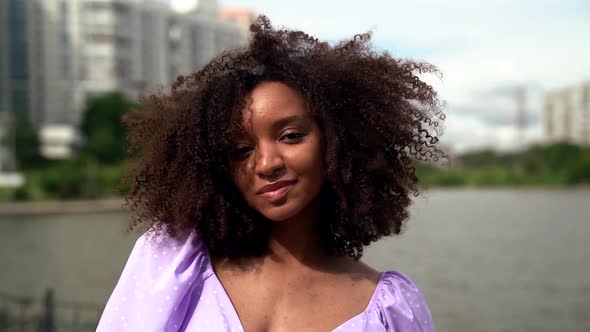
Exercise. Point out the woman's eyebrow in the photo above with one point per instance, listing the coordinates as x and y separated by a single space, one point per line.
281 122
276 125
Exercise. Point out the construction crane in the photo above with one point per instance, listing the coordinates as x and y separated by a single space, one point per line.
520 97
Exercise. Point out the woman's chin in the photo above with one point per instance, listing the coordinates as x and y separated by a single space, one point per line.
280 213
278 216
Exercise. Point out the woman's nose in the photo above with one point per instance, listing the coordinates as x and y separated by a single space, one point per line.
268 161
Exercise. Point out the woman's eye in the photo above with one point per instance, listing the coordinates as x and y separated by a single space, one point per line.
240 151
294 135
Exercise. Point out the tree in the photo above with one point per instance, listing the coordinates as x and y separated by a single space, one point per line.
103 129
580 172
22 140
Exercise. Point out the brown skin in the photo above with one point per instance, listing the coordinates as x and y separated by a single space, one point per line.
297 286
268 154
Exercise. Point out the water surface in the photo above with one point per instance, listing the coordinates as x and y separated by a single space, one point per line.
487 260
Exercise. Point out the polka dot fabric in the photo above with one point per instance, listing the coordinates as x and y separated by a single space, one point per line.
169 285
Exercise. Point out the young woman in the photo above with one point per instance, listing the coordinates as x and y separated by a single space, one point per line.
262 176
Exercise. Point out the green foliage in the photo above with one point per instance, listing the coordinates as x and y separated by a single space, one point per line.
480 158
103 129
22 194
581 170
22 140
554 165
543 165
55 184
95 172
432 176
78 178
556 157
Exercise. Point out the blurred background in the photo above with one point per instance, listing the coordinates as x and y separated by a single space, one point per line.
498 239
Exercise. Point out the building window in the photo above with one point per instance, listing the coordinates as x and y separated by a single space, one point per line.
123 69
549 120
17 21
100 68
567 119
1 86
195 40
585 110
172 72
20 100
120 8
2 62
64 39
119 42
147 47
174 35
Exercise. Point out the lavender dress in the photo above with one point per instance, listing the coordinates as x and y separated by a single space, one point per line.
169 285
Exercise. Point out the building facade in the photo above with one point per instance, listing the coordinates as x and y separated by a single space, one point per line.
57 54
567 114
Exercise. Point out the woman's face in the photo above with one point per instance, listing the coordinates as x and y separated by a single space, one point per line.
282 144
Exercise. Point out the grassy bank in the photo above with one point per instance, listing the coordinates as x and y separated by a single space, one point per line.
556 165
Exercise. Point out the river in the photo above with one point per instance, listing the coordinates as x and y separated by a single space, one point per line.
487 260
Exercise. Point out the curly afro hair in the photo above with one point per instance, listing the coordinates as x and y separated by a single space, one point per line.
376 115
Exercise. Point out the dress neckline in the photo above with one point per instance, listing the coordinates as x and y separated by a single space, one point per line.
236 317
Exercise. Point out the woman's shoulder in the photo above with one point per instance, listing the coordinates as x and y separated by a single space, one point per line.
156 253
159 274
397 302
400 303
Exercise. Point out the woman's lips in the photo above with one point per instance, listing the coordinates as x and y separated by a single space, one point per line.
275 195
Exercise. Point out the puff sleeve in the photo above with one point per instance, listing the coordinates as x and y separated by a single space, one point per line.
155 288
401 305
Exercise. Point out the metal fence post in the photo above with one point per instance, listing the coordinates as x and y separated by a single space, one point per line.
47 322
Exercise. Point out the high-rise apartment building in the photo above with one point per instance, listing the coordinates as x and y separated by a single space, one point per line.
56 54
567 114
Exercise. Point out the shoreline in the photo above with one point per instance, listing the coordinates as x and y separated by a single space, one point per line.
60 207
114 204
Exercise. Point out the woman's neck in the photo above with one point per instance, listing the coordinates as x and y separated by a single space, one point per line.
297 241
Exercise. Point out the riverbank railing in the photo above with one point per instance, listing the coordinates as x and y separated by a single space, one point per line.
28 314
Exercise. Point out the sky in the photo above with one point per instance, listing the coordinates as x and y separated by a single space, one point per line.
484 49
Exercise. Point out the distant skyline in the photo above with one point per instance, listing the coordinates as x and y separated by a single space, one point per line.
484 49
